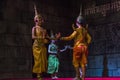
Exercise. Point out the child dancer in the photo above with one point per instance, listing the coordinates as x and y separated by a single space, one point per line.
53 61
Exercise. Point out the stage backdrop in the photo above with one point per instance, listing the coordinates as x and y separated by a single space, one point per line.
16 22
104 26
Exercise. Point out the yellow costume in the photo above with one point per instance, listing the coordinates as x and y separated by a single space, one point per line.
81 41
39 51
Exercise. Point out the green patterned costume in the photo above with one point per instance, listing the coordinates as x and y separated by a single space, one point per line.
53 62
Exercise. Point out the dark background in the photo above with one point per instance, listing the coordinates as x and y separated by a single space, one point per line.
16 22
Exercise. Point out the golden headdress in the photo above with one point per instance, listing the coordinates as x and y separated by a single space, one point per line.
37 16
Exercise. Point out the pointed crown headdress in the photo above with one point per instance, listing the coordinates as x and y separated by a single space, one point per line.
51 34
80 18
36 14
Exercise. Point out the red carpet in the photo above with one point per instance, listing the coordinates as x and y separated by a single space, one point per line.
68 79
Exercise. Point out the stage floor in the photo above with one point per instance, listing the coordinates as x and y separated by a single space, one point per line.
66 79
